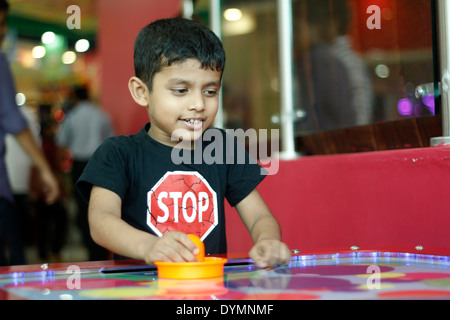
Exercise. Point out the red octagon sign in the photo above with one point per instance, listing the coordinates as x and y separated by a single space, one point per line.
182 201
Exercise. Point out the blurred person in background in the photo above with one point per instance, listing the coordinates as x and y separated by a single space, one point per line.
85 127
12 121
19 166
333 86
51 219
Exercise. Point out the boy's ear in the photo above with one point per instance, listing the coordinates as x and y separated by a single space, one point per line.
138 90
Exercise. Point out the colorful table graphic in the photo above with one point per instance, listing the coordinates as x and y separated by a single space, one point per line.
340 275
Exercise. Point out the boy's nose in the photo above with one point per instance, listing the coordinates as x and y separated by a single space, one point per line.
198 103
197 107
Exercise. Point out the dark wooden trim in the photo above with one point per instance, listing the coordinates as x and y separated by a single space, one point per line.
381 136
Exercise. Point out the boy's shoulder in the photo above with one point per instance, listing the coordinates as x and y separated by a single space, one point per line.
127 139
124 140
122 144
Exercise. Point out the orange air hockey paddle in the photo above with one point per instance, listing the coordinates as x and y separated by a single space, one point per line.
201 247
206 267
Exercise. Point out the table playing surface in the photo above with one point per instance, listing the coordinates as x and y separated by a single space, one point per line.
340 275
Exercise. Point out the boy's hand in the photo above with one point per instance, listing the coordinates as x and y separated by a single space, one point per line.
268 253
172 247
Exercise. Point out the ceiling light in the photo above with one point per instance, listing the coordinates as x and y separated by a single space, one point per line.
246 24
38 52
82 45
48 37
232 14
69 57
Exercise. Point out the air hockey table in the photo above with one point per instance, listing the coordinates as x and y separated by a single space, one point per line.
326 274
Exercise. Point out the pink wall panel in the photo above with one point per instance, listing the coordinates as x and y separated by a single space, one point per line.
392 198
120 21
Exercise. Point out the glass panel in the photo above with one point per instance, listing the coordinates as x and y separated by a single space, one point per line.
250 83
357 62
360 61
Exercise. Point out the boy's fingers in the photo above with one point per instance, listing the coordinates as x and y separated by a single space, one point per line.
266 255
174 247
185 247
259 254
184 240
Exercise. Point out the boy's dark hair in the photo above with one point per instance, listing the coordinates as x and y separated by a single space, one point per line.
168 41
4 6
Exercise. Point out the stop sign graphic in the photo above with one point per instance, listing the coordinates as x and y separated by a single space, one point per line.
182 201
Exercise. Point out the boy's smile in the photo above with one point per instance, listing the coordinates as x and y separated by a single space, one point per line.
183 102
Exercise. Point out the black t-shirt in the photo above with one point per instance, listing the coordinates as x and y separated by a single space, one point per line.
160 194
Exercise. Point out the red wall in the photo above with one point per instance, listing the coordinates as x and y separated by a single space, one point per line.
119 23
371 200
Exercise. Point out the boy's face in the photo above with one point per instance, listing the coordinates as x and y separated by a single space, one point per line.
183 103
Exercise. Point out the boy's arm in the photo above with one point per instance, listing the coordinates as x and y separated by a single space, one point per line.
111 232
268 250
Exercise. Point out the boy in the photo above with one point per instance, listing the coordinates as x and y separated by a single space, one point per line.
178 66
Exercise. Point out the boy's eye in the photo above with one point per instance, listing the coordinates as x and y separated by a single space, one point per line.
179 91
210 92
182 91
